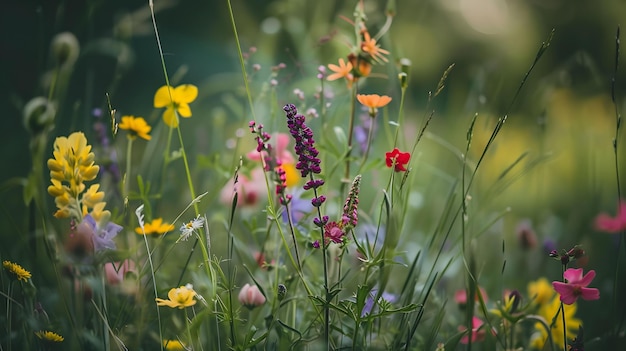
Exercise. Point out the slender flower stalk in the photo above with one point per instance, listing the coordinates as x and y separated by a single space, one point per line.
308 165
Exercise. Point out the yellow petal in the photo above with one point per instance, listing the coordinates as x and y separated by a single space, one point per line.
185 93
162 97
184 110
170 118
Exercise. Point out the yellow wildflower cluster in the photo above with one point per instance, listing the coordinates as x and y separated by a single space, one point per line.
548 304
71 166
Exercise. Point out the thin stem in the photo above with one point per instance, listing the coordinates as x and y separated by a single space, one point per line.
563 318
324 254
370 133
350 131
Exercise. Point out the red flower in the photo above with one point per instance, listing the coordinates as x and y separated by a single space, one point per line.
576 286
616 224
397 158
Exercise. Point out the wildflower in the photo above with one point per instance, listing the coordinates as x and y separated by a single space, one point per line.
549 311
540 291
305 148
18 271
177 101
190 227
576 286
316 244
373 102
251 297
461 296
508 308
71 166
280 150
136 127
178 298
350 215
157 226
47 335
476 333
606 223
173 345
250 188
397 159
102 237
333 232
369 302
342 71
370 46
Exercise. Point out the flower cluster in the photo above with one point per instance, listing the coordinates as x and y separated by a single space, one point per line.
71 166
305 144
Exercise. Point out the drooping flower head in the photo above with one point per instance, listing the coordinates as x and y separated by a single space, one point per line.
16 270
398 160
49 336
176 101
576 286
178 298
136 127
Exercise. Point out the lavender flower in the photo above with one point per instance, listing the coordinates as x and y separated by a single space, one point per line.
102 237
369 302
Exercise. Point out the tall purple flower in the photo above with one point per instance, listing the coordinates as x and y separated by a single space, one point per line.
305 148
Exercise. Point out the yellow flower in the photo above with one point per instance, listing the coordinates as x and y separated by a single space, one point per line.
136 127
342 71
178 297
49 336
177 101
292 175
19 271
541 291
548 311
72 164
157 226
173 345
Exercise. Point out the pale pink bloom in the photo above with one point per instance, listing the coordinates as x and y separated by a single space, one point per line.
116 271
576 286
477 334
279 143
251 297
249 190
606 223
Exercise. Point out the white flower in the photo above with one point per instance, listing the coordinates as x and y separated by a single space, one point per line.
190 227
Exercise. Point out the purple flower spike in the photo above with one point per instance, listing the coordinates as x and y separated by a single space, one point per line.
305 144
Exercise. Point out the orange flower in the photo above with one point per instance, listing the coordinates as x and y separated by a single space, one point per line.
370 46
373 101
342 71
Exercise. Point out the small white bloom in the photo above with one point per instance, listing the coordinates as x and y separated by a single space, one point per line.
190 227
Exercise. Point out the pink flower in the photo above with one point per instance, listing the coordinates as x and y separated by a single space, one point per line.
461 296
477 334
609 224
249 190
251 297
116 271
576 286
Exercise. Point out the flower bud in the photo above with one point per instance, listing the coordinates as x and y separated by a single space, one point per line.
251 297
38 114
65 49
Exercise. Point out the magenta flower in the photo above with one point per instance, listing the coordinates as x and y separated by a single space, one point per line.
576 286
477 334
606 223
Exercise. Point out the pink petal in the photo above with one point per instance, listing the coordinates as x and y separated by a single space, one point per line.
586 280
607 223
590 293
574 275
566 292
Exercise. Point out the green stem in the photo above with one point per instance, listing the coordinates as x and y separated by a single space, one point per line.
370 132
188 330
350 131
